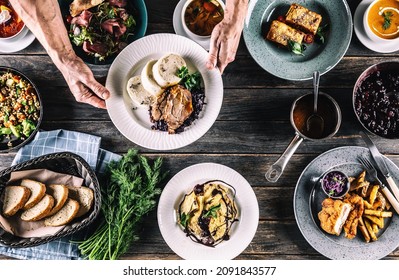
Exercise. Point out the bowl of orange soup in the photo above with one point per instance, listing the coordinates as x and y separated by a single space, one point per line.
11 25
199 17
381 20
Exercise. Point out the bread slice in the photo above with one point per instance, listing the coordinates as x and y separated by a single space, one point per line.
66 214
60 195
137 92
40 210
83 195
166 68
147 79
37 189
15 198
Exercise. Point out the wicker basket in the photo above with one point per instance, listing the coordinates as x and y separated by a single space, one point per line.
67 163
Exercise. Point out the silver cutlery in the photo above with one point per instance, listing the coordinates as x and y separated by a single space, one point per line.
380 164
373 173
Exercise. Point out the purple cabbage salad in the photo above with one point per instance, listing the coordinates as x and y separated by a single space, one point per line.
335 183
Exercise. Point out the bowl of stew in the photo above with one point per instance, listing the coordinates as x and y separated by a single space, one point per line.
199 17
11 25
20 109
376 99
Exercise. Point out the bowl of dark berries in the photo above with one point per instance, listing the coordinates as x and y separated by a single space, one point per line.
376 99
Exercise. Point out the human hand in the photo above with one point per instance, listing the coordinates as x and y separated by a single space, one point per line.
225 37
82 83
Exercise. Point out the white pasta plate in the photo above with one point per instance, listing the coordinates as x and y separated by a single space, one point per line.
241 232
134 123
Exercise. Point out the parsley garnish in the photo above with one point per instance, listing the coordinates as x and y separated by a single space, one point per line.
321 33
190 81
387 20
212 211
184 219
295 47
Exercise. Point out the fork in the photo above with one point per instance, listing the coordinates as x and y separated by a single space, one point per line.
373 173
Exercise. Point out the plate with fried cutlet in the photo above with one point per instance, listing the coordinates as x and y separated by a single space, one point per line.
315 213
291 39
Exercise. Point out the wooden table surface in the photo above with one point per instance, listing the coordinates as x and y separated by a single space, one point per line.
250 133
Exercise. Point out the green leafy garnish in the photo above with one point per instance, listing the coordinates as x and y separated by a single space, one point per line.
129 194
321 33
28 127
387 20
81 37
184 219
212 211
295 47
190 81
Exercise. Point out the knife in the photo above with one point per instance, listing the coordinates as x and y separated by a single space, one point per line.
380 164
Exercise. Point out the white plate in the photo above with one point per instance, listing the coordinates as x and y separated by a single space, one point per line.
241 233
135 124
20 42
362 36
178 27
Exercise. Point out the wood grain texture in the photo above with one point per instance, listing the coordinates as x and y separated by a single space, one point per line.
250 133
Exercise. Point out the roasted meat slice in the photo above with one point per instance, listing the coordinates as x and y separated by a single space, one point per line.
173 106
333 215
355 214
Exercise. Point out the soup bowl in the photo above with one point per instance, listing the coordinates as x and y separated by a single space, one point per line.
11 25
194 11
381 21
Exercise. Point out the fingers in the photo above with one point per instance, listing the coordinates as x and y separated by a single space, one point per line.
98 89
85 95
213 52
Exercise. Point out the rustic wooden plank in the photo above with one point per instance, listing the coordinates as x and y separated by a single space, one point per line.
243 73
232 137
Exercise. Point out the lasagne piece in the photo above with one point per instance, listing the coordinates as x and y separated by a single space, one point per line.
303 18
281 33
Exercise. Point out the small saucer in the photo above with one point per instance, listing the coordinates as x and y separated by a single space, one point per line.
361 33
177 26
18 43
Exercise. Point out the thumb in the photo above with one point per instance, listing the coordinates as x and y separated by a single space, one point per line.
98 89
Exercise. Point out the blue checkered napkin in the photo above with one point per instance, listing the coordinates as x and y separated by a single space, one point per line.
85 145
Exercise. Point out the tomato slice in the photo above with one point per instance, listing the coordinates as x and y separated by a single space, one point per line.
210 7
309 38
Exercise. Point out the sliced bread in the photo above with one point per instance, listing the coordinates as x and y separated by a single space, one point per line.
137 92
37 189
60 195
40 210
14 199
147 79
66 214
83 195
166 68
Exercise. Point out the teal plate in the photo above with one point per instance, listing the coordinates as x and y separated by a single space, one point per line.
280 61
135 7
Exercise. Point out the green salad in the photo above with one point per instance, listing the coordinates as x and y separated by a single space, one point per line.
19 108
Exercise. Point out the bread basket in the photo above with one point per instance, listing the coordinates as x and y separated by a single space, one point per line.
66 163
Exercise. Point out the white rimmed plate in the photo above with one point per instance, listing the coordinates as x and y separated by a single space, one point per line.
135 124
386 47
20 42
307 203
241 233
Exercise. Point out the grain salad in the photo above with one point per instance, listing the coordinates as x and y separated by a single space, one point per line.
19 108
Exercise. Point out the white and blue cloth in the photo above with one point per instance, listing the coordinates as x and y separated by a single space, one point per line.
47 142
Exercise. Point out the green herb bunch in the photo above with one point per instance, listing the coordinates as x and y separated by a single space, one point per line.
130 193
190 81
